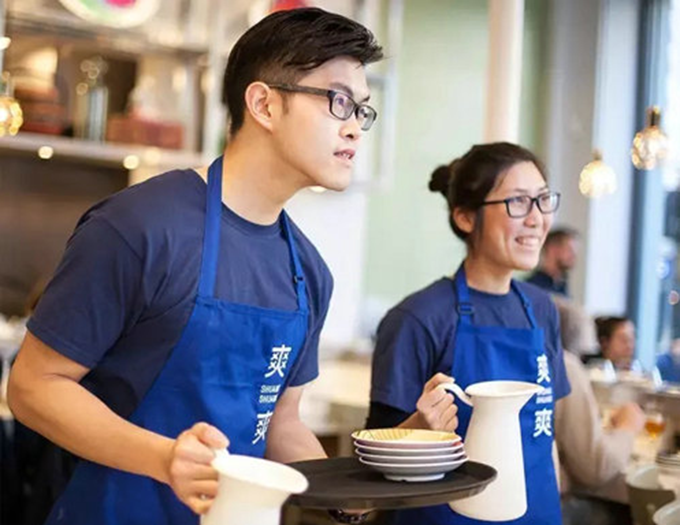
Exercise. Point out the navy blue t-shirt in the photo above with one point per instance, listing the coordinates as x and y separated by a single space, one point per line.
126 285
416 338
543 280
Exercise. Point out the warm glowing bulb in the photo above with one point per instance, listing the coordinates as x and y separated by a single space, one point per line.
45 152
11 116
597 178
131 162
650 145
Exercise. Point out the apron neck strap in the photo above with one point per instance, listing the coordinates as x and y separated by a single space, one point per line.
465 308
526 303
211 240
298 276
211 235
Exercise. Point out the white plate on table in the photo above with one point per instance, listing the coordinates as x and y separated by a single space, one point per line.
391 451
412 460
414 473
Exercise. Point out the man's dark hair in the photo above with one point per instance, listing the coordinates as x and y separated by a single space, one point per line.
559 235
285 45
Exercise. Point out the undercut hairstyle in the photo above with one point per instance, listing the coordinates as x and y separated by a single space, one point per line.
466 182
285 46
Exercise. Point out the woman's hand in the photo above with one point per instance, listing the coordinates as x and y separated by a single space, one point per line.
190 474
435 407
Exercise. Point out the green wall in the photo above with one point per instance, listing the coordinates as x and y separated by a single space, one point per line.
442 75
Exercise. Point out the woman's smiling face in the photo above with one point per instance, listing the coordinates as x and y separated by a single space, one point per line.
513 243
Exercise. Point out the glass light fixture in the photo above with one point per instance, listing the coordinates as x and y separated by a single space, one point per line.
597 178
11 116
650 145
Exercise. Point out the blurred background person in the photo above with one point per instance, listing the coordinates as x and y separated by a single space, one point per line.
593 460
668 363
616 337
558 258
577 328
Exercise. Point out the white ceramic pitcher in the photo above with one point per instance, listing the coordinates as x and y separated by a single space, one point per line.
494 437
251 490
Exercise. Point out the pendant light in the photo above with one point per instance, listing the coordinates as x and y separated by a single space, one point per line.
597 178
11 116
650 145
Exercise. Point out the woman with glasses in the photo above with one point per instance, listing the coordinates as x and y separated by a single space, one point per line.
479 324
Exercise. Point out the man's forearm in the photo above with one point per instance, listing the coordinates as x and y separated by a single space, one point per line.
292 441
73 418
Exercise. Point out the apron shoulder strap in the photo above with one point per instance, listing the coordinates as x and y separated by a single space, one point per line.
298 276
464 306
526 303
211 235
211 240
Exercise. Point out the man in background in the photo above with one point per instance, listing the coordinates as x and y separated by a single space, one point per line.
558 258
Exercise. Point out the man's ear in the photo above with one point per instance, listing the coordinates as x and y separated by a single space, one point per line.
260 102
464 219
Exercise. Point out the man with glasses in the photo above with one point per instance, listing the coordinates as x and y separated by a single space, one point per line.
558 258
185 314
340 104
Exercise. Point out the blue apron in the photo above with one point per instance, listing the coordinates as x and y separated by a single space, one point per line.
228 369
496 353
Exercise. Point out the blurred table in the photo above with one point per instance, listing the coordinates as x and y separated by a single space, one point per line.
337 402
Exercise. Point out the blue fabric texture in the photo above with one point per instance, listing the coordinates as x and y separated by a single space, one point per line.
669 367
545 281
228 369
416 338
499 352
126 285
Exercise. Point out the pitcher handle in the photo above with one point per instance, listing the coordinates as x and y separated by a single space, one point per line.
457 391
220 453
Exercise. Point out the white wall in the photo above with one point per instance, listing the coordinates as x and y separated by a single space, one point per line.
609 232
336 224
592 71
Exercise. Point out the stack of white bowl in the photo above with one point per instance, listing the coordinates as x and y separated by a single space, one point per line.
409 455
669 471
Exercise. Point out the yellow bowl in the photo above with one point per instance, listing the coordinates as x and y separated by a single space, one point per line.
405 438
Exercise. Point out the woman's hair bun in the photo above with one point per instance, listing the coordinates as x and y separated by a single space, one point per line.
439 180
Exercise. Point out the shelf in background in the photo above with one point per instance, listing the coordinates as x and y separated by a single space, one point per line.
126 41
100 153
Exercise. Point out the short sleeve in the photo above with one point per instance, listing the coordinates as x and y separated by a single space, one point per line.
306 367
561 386
402 361
93 296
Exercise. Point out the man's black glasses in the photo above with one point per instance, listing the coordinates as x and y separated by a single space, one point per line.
520 206
340 104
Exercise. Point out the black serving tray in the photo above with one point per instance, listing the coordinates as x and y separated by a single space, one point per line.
347 483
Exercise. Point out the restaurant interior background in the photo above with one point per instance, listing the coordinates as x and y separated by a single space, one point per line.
589 72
